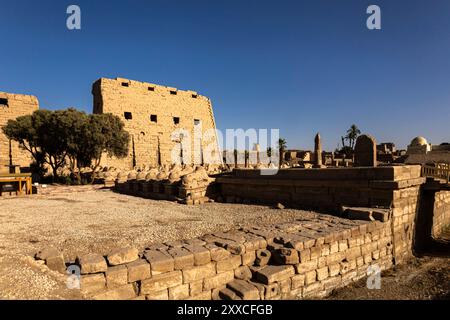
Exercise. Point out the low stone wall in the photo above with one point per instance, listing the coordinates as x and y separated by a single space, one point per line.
396 188
301 259
441 216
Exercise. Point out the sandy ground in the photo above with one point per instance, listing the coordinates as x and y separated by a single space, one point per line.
97 221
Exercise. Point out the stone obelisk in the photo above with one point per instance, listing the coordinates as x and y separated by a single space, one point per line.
318 152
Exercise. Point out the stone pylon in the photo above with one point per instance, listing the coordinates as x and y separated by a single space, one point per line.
318 152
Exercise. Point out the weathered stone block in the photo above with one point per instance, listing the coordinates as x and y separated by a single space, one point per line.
231 263
138 270
120 293
92 283
122 256
218 280
159 261
182 258
262 257
195 273
116 276
270 274
179 292
243 273
92 263
161 281
244 289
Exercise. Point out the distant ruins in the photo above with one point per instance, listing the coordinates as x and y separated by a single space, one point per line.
13 106
420 151
160 120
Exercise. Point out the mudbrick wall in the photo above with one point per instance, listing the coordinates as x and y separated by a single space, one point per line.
300 259
11 107
155 115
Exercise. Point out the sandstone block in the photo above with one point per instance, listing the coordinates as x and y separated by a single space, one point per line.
306 266
262 257
286 256
218 280
310 277
244 290
298 281
116 276
92 283
201 254
217 253
322 273
195 273
161 281
248 258
122 256
138 270
159 261
179 292
92 263
243 273
270 274
231 263
158 295
120 293
182 258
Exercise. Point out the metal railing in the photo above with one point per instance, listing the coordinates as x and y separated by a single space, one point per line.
440 171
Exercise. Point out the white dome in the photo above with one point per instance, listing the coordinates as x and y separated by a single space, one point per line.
419 141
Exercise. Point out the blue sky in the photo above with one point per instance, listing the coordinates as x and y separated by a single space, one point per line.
301 66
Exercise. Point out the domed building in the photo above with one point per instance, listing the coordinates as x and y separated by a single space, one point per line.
420 151
418 145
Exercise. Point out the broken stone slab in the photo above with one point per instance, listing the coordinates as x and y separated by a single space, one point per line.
122 256
271 274
91 263
244 289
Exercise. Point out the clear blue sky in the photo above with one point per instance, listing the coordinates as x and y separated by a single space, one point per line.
301 66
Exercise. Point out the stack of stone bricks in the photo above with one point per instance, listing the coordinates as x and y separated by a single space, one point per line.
164 190
300 259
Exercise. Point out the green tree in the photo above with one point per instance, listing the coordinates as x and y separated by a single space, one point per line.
269 154
352 134
281 149
53 137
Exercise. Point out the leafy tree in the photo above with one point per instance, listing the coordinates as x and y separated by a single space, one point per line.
352 133
281 149
53 137
269 154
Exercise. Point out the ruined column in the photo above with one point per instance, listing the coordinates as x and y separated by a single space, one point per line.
318 152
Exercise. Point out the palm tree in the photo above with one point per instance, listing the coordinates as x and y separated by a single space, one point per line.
352 134
246 156
281 148
235 153
269 154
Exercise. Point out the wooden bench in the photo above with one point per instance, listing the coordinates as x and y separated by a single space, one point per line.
21 180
